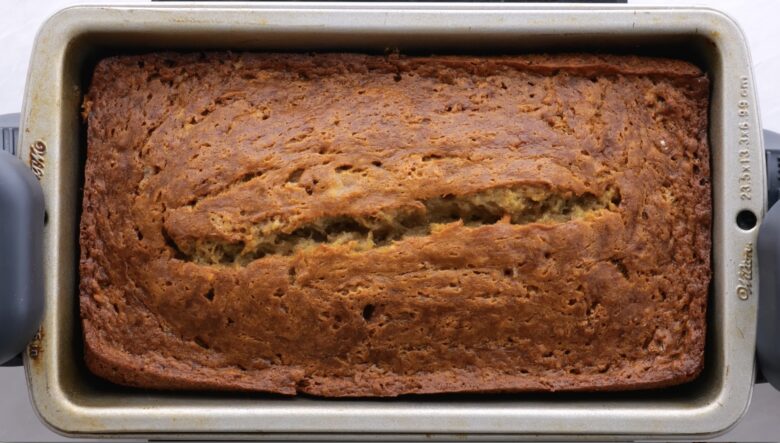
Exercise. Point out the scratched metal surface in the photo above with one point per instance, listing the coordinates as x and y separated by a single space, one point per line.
68 400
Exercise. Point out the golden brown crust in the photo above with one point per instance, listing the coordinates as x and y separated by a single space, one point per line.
279 223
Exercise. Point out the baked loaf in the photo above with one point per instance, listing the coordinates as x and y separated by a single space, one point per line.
357 225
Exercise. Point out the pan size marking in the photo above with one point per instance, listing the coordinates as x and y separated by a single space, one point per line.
38 158
745 176
745 273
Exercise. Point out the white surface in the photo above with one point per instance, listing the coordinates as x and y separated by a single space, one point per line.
19 21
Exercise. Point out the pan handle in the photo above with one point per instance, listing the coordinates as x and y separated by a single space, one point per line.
21 247
768 338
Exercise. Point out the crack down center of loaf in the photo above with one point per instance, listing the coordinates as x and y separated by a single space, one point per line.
518 205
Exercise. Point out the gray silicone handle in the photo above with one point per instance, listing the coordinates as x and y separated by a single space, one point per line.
21 252
768 339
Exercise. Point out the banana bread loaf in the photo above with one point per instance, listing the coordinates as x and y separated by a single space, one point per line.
359 225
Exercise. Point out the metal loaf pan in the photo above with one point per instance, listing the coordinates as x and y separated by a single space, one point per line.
72 401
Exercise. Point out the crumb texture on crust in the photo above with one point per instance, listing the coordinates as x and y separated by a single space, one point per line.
357 225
